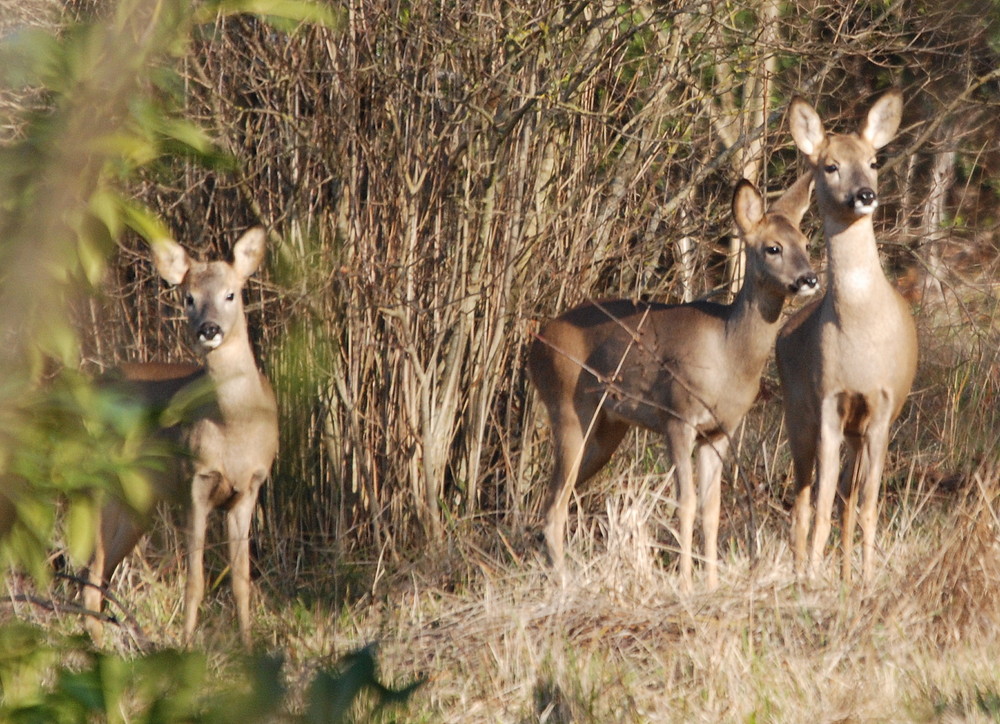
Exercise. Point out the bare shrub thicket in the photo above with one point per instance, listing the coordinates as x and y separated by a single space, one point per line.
440 176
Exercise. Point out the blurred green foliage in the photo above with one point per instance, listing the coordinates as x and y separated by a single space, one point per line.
66 681
109 103
109 106
105 111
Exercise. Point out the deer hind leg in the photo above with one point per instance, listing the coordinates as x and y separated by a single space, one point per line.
847 487
238 520
93 596
117 534
680 439
579 456
802 440
203 485
711 456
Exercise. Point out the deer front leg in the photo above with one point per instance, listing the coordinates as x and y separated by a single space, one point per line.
827 471
710 462
194 591
848 493
801 517
878 443
238 524
680 438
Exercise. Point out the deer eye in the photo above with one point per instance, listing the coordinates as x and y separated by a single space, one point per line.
831 168
189 299
230 297
876 165
772 250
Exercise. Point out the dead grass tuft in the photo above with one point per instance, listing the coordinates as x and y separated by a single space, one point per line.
503 639
960 581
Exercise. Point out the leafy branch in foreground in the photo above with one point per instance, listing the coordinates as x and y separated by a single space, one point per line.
173 686
112 105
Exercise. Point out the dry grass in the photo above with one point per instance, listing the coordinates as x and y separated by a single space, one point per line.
501 639
614 642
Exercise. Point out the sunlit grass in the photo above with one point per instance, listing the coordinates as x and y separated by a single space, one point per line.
503 640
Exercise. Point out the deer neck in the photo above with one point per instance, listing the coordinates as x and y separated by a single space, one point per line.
232 366
753 322
854 271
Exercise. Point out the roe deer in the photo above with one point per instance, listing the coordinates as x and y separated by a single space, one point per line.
231 441
688 371
846 361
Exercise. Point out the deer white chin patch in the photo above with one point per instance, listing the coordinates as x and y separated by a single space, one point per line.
210 343
865 209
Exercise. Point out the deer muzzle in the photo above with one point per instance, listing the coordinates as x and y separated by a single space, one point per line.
210 335
865 201
806 285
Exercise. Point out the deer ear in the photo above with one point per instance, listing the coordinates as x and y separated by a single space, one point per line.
794 202
806 126
883 119
171 260
748 207
248 252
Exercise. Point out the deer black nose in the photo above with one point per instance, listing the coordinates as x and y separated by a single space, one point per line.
806 281
866 197
209 331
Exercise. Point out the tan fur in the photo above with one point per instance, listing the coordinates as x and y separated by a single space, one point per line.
688 371
232 441
847 361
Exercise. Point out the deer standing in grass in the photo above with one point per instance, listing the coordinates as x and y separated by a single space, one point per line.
688 371
230 442
846 361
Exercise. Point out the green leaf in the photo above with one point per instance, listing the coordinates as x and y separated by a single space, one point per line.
298 11
144 222
114 680
59 341
187 134
28 57
82 687
27 542
136 490
172 681
92 248
106 206
81 528
131 148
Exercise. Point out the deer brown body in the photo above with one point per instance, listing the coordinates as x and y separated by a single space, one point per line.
688 371
848 360
230 442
